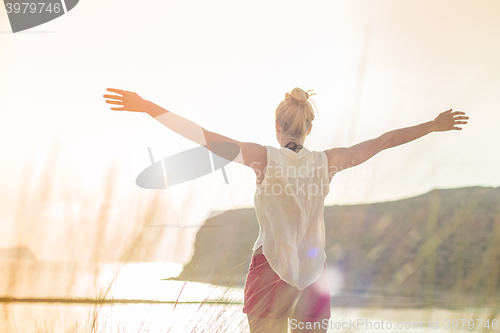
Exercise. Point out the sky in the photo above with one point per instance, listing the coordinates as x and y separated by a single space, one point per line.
376 66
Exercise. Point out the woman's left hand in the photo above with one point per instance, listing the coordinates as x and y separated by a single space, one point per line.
447 120
129 101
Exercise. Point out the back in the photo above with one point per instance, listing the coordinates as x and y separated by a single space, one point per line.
289 203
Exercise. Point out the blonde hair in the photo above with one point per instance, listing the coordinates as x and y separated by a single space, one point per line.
295 113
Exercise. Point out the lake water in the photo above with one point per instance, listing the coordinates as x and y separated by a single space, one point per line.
134 282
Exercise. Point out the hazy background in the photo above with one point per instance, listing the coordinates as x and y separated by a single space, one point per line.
377 65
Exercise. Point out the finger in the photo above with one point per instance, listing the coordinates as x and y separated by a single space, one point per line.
118 91
457 112
118 109
460 122
460 117
113 97
115 102
457 128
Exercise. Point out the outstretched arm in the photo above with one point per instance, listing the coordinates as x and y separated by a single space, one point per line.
343 158
251 154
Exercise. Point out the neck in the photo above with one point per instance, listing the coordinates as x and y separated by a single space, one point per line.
286 140
293 146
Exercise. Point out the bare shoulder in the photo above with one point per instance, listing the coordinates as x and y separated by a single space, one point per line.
334 155
335 158
251 153
347 157
254 155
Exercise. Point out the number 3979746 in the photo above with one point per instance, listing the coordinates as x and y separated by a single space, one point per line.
33 8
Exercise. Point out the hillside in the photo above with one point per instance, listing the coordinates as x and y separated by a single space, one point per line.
17 253
442 247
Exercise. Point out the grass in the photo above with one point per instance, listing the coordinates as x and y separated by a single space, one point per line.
88 240
96 235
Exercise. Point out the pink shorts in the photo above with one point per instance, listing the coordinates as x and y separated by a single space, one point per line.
266 295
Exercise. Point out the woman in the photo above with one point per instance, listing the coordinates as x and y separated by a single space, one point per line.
286 284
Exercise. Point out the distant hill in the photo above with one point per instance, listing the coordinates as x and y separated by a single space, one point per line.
442 247
17 253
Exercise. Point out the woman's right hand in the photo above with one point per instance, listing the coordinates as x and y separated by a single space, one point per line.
448 120
127 100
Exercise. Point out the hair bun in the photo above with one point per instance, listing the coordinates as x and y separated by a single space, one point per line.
295 113
297 95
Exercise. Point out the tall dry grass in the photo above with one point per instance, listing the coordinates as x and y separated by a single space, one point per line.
98 234
107 228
